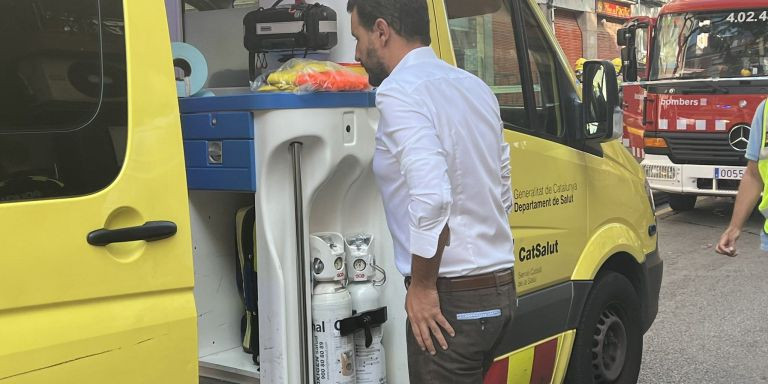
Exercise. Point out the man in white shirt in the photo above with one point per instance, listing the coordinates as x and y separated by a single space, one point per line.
442 167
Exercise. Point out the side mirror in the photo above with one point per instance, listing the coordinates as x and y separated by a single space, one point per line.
625 38
600 90
622 40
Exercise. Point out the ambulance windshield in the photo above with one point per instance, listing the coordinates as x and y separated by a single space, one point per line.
728 44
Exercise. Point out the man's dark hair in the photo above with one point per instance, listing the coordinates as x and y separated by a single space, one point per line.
409 18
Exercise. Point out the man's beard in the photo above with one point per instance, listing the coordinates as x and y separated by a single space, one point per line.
375 68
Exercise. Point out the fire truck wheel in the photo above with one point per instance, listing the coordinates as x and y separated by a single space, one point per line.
682 202
609 339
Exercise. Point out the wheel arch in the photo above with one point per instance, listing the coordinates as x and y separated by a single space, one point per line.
609 241
616 248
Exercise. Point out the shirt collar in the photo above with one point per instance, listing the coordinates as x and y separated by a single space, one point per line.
414 56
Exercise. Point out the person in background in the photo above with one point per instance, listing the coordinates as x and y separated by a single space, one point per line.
752 185
579 68
617 64
443 171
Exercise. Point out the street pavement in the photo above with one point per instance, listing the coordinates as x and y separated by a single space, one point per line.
712 325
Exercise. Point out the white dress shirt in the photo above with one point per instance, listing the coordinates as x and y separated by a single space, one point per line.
441 158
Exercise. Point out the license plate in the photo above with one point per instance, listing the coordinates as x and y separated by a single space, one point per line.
729 173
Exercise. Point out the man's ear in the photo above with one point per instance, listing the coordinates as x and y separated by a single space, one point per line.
382 30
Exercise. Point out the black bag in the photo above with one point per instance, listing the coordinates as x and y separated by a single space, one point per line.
245 270
307 27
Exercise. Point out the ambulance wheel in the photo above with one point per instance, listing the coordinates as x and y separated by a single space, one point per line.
682 202
609 341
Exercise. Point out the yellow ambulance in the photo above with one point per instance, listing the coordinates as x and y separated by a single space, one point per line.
114 269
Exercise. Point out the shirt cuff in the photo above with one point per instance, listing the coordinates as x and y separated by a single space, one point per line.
423 243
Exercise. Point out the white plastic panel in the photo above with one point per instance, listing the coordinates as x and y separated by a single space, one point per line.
231 366
219 36
340 195
219 308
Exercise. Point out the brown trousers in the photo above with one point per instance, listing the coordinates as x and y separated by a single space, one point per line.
479 318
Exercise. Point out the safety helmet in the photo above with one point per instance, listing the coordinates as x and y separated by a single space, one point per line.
617 63
580 64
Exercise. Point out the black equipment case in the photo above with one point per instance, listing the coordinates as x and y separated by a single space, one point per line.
304 27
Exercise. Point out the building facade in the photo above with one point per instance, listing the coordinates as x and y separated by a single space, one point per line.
587 28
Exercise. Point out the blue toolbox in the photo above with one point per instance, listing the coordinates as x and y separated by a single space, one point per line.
218 133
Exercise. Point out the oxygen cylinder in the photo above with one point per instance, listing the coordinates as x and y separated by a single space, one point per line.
370 361
334 355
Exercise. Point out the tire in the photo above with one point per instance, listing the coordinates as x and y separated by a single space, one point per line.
682 202
609 339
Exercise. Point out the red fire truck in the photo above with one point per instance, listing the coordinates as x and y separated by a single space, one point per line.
694 77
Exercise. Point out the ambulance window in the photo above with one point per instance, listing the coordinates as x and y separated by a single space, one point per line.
484 44
542 60
63 112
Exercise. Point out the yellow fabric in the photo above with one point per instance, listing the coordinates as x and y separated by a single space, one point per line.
313 75
285 78
762 166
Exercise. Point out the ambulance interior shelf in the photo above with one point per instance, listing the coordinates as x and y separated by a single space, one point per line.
227 138
219 131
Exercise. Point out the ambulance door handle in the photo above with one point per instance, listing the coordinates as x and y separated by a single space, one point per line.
150 231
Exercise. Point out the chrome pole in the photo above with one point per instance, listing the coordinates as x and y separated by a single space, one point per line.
301 270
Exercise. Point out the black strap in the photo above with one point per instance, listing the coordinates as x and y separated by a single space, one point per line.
252 65
365 321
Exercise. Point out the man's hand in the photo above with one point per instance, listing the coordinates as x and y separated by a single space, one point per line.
727 244
423 306
750 188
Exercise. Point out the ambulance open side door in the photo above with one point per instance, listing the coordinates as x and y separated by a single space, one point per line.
95 248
